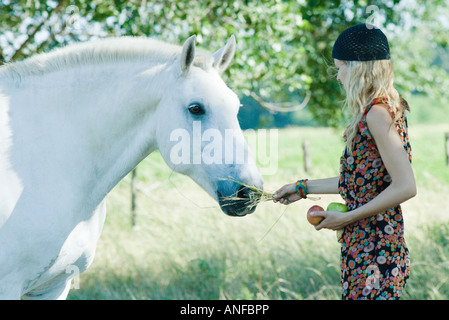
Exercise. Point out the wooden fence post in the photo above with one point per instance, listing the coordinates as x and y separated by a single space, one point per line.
307 164
133 197
447 148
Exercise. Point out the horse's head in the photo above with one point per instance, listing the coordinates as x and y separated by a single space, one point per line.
198 133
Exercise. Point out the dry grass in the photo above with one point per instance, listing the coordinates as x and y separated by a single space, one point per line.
255 197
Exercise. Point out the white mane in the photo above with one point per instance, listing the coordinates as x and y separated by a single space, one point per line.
101 51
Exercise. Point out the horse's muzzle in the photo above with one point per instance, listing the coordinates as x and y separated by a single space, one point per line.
239 204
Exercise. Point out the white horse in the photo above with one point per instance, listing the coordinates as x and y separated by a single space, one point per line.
75 121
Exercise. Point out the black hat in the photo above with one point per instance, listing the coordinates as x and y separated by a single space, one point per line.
362 42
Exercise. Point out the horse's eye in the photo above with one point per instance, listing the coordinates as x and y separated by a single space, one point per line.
196 109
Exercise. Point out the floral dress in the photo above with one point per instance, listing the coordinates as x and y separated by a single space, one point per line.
374 257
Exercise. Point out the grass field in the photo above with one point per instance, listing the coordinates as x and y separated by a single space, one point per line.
184 247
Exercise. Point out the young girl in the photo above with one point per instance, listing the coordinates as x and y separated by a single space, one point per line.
375 171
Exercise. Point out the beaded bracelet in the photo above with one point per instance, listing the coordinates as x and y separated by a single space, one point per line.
301 188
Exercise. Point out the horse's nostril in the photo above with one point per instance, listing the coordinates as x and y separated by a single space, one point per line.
242 193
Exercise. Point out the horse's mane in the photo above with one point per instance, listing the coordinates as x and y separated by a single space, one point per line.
101 51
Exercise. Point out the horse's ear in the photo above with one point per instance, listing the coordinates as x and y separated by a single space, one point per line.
187 54
224 56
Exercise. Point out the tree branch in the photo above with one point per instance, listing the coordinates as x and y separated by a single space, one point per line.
282 106
36 29
51 37
2 58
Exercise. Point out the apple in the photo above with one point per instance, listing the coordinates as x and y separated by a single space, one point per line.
336 206
314 220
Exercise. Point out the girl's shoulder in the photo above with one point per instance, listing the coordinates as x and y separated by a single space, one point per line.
386 103
379 115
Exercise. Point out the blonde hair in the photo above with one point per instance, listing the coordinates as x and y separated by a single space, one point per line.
365 81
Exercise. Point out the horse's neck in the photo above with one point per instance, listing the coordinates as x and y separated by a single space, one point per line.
81 130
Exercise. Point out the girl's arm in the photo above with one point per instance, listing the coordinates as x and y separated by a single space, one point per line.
287 194
395 158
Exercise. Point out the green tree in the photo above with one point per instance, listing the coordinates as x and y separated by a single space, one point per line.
283 47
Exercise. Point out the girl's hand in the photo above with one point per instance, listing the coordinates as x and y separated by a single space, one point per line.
286 194
333 220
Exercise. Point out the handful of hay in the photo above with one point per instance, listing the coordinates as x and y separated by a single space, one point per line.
255 197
